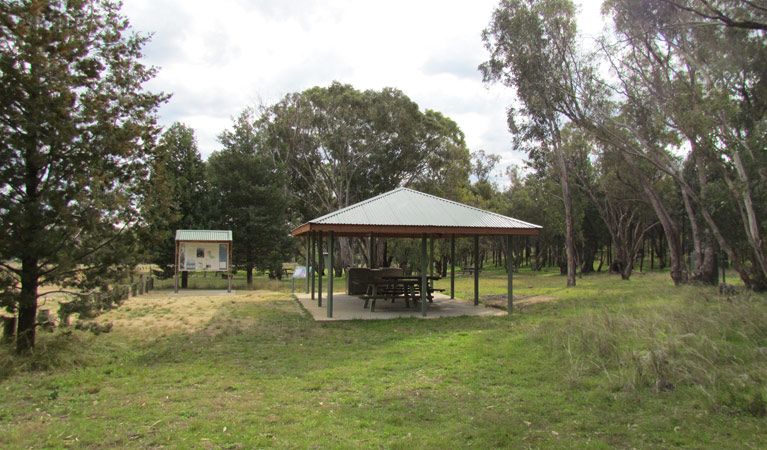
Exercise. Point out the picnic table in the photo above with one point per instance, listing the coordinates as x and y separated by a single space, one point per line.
469 270
430 285
395 287
288 268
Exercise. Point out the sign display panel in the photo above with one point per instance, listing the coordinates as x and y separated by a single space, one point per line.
203 256
223 255
299 272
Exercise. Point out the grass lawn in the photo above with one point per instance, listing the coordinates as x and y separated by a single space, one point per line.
637 364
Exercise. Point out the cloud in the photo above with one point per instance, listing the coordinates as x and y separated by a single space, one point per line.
455 66
220 57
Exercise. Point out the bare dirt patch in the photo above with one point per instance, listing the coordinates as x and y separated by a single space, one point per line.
499 301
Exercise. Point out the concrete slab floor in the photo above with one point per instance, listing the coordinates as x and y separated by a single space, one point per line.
349 307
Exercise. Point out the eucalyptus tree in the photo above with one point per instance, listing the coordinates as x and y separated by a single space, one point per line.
340 145
635 134
484 190
336 141
77 130
616 196
447 165
533 50
746 15
698 69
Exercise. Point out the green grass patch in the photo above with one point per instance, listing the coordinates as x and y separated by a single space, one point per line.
637 364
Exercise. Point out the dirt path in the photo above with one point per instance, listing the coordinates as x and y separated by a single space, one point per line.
499 301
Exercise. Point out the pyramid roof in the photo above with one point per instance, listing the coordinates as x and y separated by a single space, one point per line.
407 213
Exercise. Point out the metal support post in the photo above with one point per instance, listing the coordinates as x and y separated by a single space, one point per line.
452 266
330 275
431 257
308 247
313 259
424 286
319 272
510 281
476 270
175 277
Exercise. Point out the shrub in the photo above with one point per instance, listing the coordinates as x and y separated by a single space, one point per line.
91 304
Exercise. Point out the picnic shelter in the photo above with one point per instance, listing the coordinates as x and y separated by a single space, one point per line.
406 213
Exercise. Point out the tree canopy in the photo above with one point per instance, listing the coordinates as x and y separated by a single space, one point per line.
179 183
76 133
677 124
248 197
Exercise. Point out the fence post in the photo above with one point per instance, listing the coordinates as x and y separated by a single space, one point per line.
9 327
44 319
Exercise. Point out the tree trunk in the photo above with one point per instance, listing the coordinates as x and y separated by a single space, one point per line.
660 251
694 230
627 270
750 221
527 252
338 267
748 278
707 268
678 267
539 257
249 269
620 262
589 256
708 271
364 248
569 227
445 263
184 279
601 259
676 254
346 252
609 255
26 327
385 254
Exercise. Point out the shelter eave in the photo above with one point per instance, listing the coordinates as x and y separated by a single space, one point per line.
201 240
411 231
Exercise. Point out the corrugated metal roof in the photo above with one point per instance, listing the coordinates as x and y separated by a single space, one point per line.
203 235
406 207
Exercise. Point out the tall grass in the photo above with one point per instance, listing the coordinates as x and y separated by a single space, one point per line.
63 350
715 346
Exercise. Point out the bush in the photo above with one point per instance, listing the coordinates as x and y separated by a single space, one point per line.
94 327
91 304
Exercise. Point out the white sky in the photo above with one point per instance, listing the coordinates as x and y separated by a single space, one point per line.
218 57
